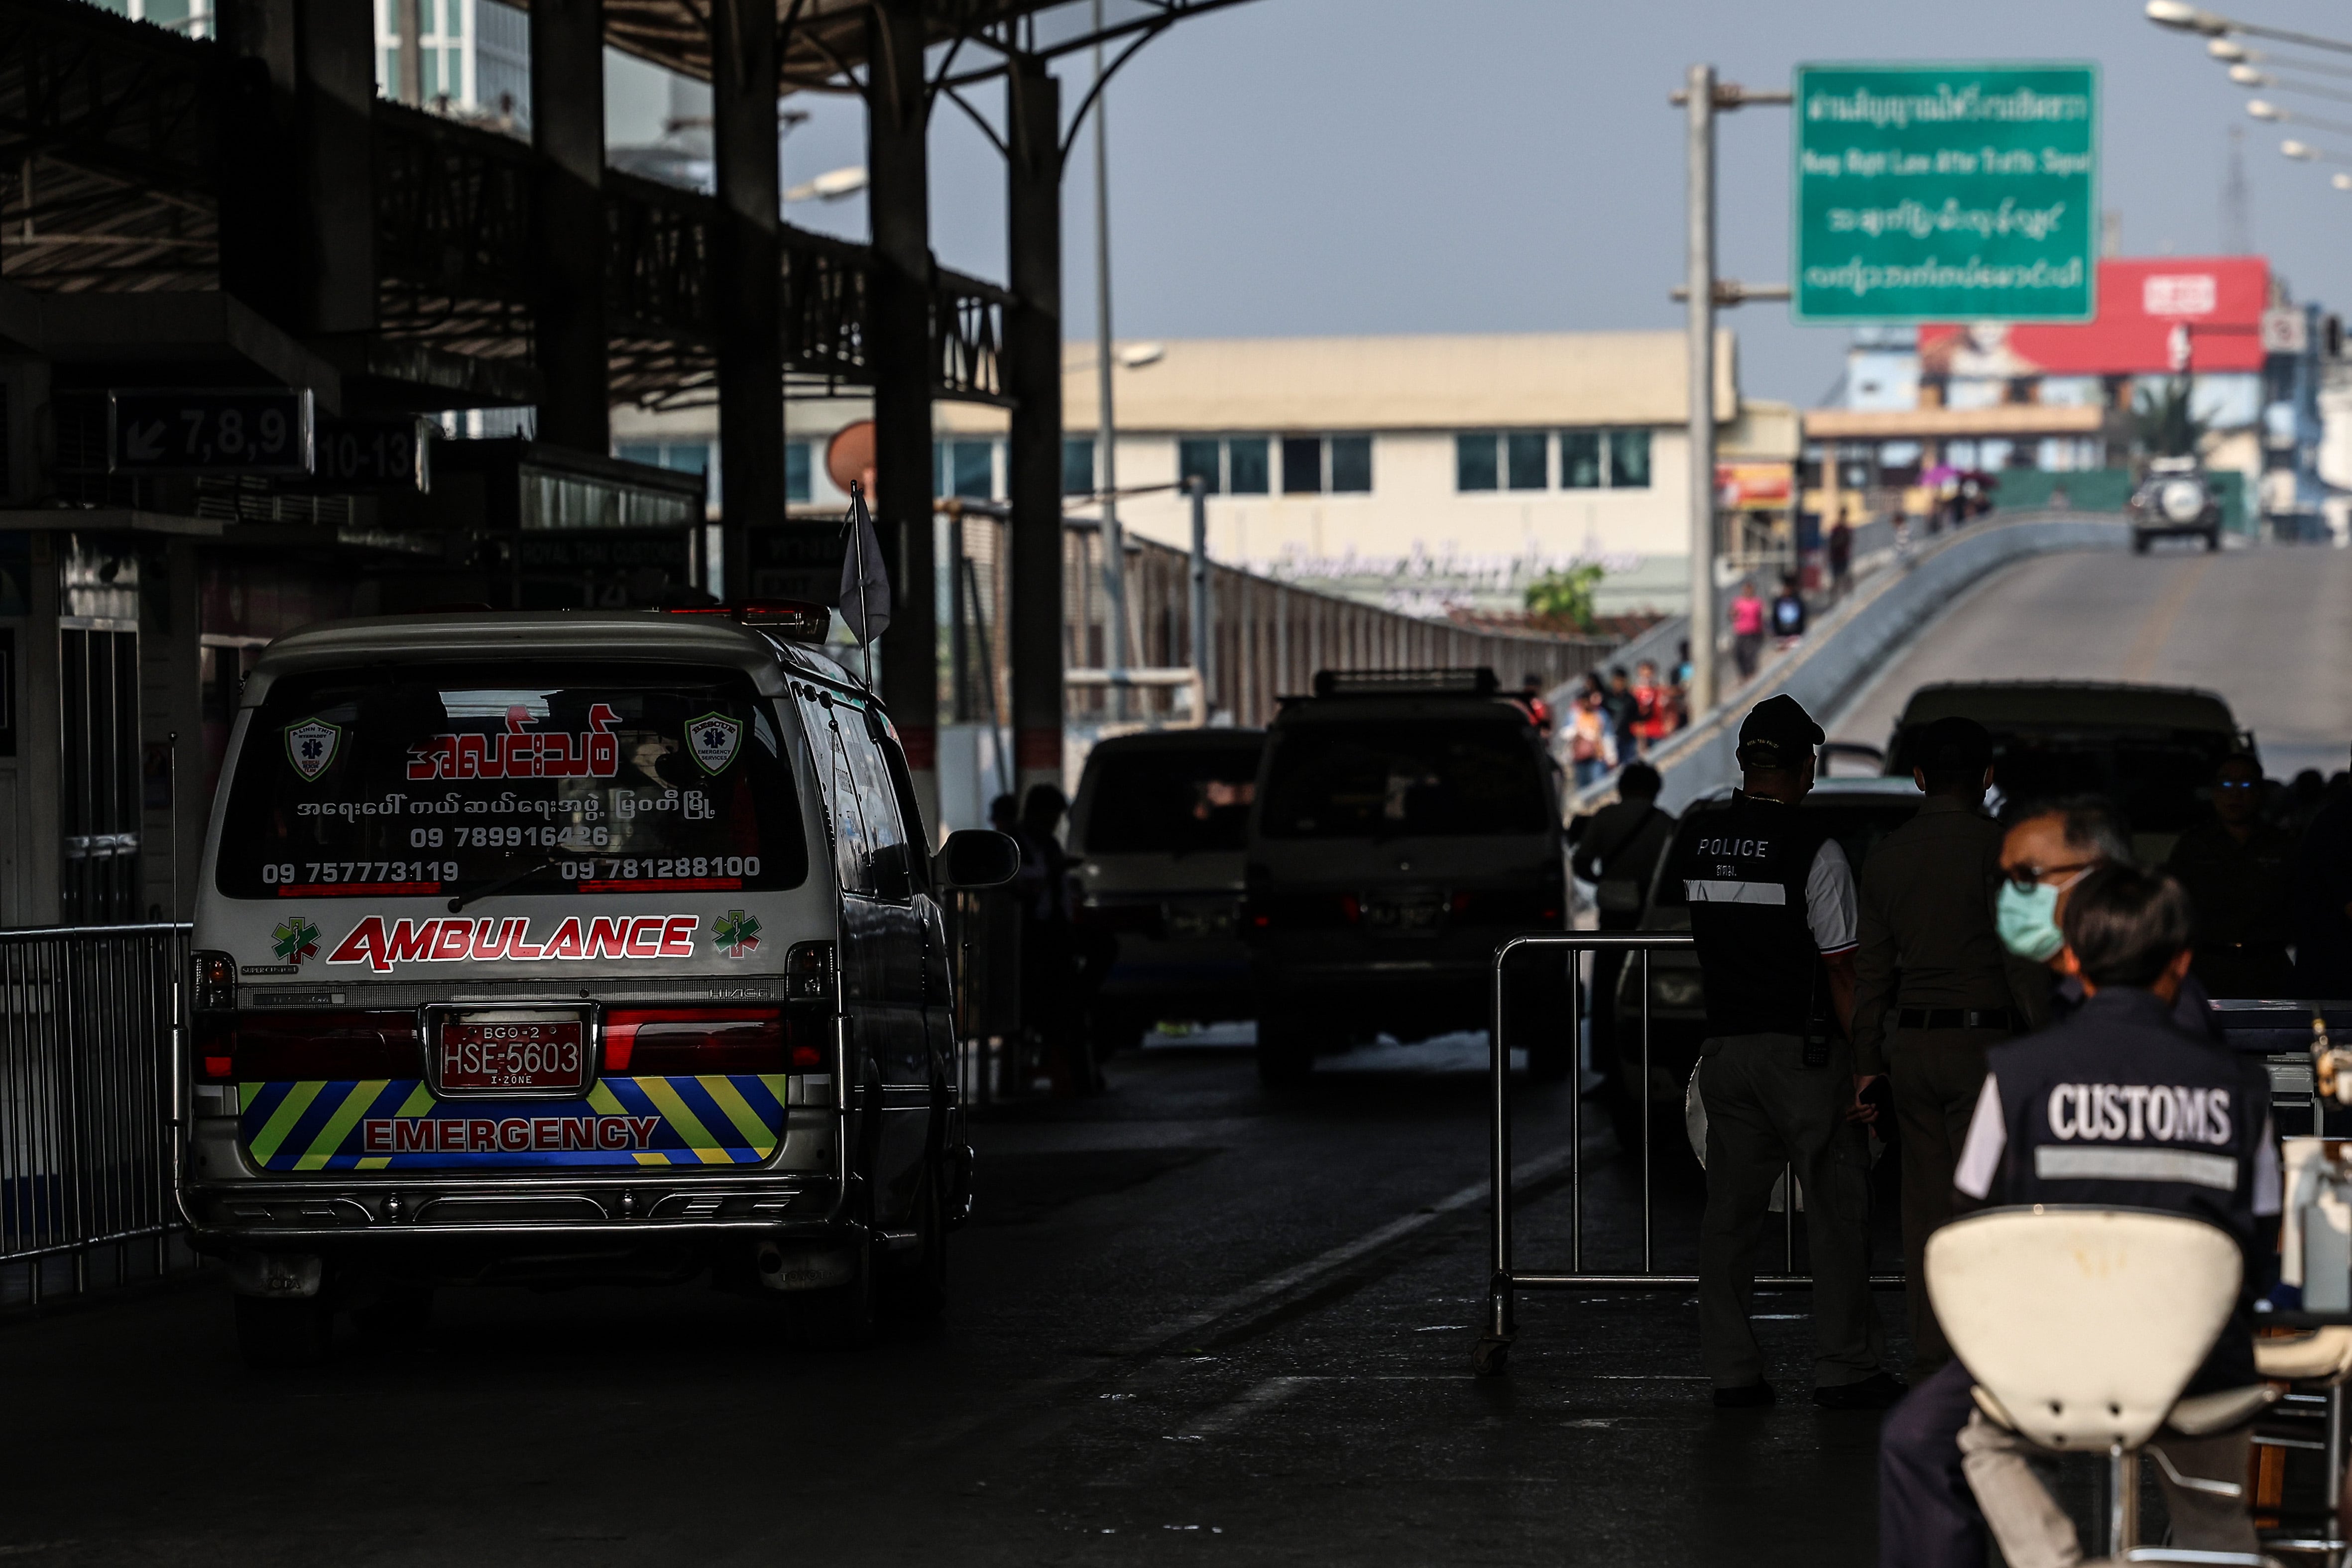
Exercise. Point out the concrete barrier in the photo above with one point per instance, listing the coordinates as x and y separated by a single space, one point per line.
1852 642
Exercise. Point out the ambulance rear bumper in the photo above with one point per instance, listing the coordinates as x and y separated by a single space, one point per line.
350 1219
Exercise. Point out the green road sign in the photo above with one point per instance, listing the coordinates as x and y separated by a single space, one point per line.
1951 192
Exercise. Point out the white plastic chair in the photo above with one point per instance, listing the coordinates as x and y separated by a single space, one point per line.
2081 1326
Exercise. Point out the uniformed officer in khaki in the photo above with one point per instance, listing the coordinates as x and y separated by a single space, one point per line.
1931 992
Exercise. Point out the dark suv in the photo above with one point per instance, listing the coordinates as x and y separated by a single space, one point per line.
1406 823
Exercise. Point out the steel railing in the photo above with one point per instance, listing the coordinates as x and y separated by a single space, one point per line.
1503 1280
90 1023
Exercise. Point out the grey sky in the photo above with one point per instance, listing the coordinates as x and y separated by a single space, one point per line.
1331 166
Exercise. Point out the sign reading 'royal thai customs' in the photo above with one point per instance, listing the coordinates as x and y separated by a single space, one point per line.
1946 192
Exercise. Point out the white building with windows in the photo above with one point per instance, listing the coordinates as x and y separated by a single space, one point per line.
1425 470
1422 471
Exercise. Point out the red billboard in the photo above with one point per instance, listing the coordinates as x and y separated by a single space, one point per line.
2158 316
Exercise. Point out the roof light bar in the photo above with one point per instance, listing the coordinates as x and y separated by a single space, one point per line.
795 619
1478 682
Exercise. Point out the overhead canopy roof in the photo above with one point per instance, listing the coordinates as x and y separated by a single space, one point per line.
818 40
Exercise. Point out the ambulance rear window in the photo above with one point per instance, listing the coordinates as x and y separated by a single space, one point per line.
418 780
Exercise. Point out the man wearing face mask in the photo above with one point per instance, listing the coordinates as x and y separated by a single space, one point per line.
2049 849
1928 1516
2115 1108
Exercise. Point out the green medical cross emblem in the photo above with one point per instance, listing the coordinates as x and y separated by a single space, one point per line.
736 933
297 939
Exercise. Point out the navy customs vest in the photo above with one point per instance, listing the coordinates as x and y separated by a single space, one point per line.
2116 1108
1744 877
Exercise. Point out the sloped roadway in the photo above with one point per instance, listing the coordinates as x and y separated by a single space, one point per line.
1193 1322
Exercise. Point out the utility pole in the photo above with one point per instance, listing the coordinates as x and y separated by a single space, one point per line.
1114 541
1198 488
1698 95
1701 293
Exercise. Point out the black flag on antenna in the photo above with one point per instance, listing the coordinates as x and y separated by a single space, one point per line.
864 578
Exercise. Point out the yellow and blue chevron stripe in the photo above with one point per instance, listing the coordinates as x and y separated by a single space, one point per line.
395 1124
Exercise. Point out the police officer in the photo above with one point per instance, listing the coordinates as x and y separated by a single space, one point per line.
1772 907
1932 990
2234 867
2086 1086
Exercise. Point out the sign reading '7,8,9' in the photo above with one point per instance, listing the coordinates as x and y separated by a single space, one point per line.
209 430
1946 192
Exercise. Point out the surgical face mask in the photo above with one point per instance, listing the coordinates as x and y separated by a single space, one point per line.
2027 918
2027 921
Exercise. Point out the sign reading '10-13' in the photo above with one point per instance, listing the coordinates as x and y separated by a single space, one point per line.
1946 192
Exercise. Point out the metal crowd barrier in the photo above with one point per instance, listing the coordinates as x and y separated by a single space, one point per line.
91 1019
1503 1280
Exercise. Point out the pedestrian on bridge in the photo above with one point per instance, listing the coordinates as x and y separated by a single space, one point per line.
1772 908
1931 986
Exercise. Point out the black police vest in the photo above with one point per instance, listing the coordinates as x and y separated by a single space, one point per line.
1744 877
2116 1108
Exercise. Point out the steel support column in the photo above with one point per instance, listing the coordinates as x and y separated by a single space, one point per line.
568 238
1033 364
901 358
747 280
297 202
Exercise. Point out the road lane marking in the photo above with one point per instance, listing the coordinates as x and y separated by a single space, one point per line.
1270 1287
1234 1412
1285 1280
2157 630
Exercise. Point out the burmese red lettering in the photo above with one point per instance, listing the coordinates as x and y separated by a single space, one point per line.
520 752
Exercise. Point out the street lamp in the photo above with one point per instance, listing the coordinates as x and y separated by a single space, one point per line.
2304 153
2235 53
2186 18
2262 109
2247 76
830 186
2341 181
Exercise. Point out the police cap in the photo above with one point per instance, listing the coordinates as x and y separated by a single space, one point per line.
1778 732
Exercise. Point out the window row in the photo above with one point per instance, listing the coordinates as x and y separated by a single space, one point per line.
1244 464
1522 460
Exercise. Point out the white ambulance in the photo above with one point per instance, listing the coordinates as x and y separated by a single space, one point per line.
567 948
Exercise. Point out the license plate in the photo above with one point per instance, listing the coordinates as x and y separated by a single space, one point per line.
1188 924
1403 914
512 1052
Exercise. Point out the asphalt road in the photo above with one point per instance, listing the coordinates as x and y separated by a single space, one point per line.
1191 1323
2265 627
